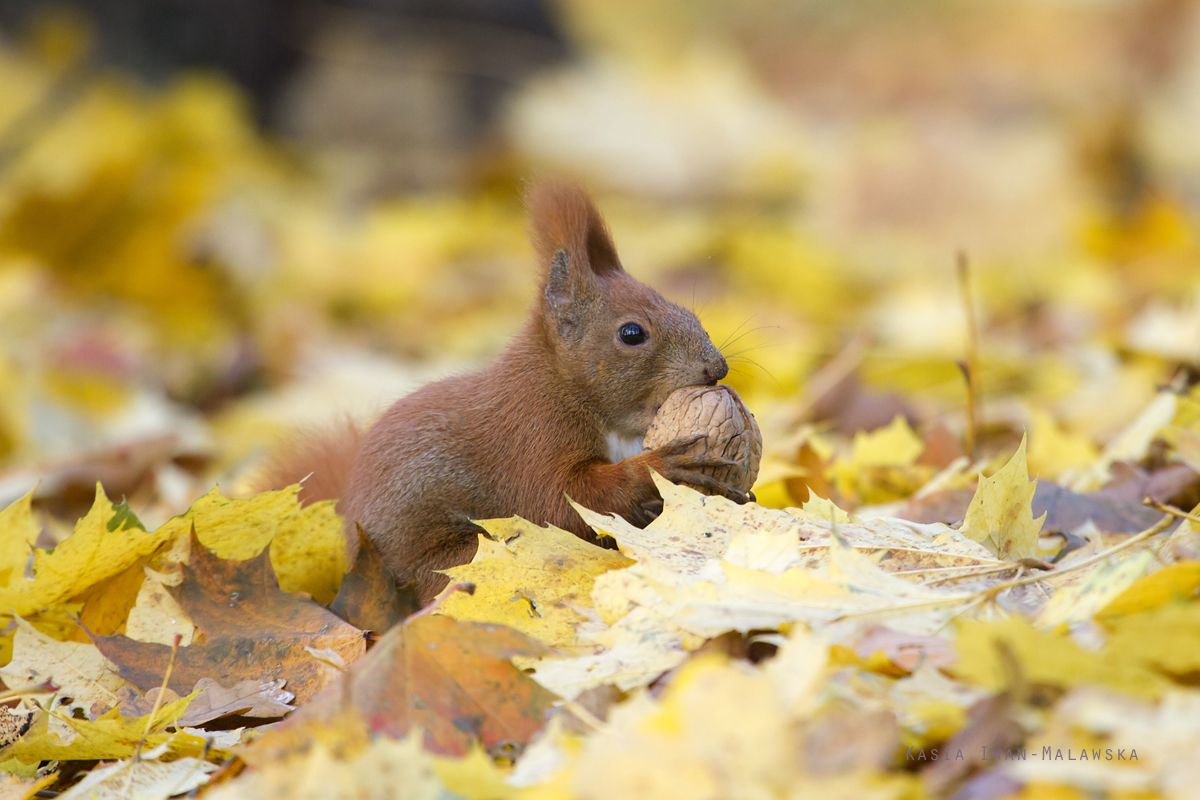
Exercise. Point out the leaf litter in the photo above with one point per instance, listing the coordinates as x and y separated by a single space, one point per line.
927 571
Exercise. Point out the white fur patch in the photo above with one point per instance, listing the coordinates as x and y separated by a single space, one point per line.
621 447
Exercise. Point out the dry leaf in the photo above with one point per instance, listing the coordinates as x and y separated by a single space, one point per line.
455 680
251 630
1000 515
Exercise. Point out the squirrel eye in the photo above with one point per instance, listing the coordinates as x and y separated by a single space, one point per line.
632 334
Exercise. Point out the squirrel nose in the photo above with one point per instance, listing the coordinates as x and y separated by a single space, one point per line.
715 370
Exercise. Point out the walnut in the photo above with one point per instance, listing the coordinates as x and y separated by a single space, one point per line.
731 431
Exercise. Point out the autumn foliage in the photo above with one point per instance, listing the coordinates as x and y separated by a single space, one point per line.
973 566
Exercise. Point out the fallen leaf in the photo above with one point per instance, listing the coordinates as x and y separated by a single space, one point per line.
882 465
252 630
1000 515
308 546
141 779
157 617
453 680
87 680
1080 599
1045 658
18 532
107 604
1174 583
111 736
1165 639
368 598
211 701
107 541
383 769
532 582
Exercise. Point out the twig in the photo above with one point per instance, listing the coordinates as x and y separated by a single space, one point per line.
45 687
584 716
970 365
137 754
1172 510
1138 538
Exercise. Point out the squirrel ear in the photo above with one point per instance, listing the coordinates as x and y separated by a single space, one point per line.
563 217
566 292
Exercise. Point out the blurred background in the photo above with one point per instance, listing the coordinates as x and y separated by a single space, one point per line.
220 220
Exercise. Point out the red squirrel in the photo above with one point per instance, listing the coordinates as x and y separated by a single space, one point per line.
598 355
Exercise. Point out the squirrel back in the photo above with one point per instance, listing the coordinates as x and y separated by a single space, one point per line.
597 357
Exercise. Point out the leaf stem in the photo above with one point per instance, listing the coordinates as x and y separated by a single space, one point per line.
137 754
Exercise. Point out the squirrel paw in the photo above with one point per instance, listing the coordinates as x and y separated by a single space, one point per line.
678 466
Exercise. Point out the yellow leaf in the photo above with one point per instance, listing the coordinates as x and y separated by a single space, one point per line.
475 777
894 445
385 768
157 616
1174 583
1080 600
18 531
1001 513
1053 450
881 465
107 604
1044 658
308 545
112 736
105 542
81 671
1166 639
528 581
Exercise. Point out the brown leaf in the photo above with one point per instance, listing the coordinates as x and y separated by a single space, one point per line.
843 739
906 650
1065 510
369 598
453 679
1176 485
990 727
250 630
248 699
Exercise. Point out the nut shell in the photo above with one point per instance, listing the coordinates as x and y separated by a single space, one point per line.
729 428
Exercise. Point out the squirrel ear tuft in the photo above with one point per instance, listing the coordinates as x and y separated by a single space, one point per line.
563 217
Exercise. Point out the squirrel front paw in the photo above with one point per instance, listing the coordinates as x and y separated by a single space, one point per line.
677 465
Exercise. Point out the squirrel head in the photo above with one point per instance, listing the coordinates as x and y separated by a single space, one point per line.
620 344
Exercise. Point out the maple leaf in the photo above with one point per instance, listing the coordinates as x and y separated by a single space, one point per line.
108 540
210 701
308 546
18 531
530 578
84 676
453 680
368 597
111 736
250 630
1001 515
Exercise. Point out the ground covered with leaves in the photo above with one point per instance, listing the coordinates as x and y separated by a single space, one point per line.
974 565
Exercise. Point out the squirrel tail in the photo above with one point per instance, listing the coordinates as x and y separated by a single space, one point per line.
318 458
